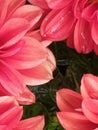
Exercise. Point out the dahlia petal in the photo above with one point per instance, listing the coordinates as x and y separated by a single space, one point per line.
11 117
3 11
12 31
34 123
30 13
96 48
6 103
58 4
51 60
12 50
27 97
75 121
39 3
56 31
82 39
30 55
36 34
37 75
89 86
13 5
4 127
90 12
12 83
90 112
68 100
95 31
79 6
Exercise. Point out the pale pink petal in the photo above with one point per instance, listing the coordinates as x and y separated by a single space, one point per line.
37 75
34 123
27 97
11 117
58 4
90 109
68 100
30 55
12 31
58 24
89 86
82 39
36 34
30 13
75 121
12 83
39 3
51 60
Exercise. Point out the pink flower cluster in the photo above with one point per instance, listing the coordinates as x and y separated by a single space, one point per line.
24 60
74 20
79 111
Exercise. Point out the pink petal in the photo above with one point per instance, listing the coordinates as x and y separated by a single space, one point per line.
82 39
75 121
27 97
68 100
37 75
34 123
30 55
90 12
30 13
57 24
11 50
12 83
11 117
89 86
12 31
39 3
95 31
51 60
4 127
3 11
79 6
90 109
96 48
13 5
36 34
6 103
58 4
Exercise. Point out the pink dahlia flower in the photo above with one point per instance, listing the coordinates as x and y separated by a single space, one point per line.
24 60
75 21
58 24
11 114
79 111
